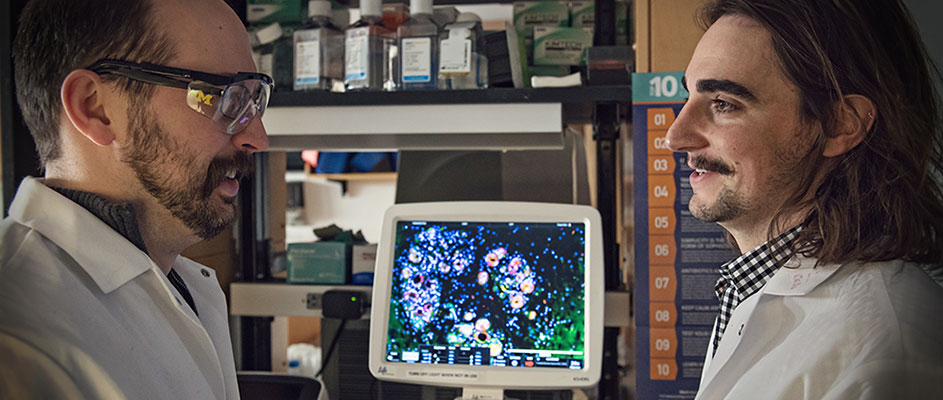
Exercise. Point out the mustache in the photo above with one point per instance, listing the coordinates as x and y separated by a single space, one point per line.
712 165
219 169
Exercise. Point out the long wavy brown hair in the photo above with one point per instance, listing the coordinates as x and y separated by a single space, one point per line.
883 199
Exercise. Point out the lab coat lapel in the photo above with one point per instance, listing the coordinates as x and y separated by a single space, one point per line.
208 296
799 277
728 343
191 332
80 233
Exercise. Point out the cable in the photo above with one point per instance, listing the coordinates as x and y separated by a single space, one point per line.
330 349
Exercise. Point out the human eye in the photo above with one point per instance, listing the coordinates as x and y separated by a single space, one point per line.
720 106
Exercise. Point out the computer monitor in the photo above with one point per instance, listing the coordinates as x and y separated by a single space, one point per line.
488 296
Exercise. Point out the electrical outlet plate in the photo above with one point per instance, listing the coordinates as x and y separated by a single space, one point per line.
313 301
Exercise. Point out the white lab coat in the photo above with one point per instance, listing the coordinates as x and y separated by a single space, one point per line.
872 331
84 314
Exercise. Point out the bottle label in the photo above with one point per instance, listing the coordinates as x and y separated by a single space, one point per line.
357 53
417 59
308 61
455 56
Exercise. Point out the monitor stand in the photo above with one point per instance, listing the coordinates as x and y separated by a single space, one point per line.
481 393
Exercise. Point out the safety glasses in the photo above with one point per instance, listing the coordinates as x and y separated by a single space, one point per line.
230 101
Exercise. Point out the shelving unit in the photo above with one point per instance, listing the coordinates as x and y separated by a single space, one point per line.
489 119
365 176
280 299
579 94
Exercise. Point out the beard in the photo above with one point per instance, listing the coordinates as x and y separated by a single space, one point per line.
172 174
730 204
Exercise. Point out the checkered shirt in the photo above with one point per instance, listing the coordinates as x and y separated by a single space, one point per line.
747 274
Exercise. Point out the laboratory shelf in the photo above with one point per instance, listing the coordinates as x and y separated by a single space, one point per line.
581 94
488 119
282 299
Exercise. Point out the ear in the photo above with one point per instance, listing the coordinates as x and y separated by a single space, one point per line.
82 95
853 120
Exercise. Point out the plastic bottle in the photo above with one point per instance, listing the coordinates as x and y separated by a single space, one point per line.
367 49
294 367
263 47
462 64
395 14
319 50
418 42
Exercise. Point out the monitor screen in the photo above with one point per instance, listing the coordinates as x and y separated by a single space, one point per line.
487 294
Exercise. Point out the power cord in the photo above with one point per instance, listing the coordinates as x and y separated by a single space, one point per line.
330 349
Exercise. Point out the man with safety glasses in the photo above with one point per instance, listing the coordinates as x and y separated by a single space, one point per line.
145 119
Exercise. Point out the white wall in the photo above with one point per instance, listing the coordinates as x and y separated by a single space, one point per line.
360 208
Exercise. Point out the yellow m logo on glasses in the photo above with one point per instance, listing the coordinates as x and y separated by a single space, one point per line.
204 98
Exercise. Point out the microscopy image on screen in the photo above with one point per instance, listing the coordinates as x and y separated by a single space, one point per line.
506 294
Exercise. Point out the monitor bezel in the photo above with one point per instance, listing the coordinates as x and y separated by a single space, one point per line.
490 376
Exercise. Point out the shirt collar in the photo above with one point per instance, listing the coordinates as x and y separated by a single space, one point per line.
109 258
118 216
749 272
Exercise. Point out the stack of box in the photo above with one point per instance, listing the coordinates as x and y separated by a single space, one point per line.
273 53
557 34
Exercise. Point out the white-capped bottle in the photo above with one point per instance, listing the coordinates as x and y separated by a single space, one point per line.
418 43
263 47
462 64
319 50
367 47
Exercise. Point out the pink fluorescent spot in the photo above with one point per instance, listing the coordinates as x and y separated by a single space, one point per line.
517 301
527 286
491 259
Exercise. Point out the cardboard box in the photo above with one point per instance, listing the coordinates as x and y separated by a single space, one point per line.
319 262
583 14
363 263
561 46
528 14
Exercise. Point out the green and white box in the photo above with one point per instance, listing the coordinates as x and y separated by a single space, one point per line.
582 13
261 11
319 262
528 14
561 46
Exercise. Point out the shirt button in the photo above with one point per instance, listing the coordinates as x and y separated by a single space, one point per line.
206 274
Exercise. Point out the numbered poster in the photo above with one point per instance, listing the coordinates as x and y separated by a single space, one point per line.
676 257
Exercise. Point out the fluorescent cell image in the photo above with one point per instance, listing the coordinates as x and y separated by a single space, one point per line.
501 288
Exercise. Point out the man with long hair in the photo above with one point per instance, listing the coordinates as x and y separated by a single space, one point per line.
814 132
145 114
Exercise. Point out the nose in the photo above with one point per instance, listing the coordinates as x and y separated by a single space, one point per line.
684 134
252 139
